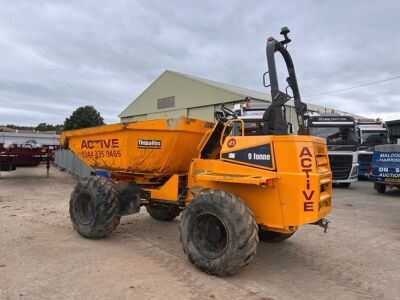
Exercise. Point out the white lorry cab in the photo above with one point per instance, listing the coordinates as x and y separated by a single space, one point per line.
342 140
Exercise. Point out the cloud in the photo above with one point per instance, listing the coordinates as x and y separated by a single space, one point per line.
57 56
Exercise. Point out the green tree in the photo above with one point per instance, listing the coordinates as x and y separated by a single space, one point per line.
58 128
49 127
83 117
44 127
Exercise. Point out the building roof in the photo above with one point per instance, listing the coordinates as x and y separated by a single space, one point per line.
6 129
241 93
393 122
227 87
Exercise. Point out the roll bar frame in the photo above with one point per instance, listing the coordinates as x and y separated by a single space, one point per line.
274 115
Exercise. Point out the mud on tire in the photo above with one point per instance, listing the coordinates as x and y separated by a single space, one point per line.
163 213
93 207
219 233
273 237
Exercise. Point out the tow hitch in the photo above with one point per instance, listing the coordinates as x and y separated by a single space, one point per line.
324 223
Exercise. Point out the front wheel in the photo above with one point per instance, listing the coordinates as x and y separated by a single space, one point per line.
219 233
272 236
93 207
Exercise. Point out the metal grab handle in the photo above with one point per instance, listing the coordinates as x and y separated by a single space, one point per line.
221 142
264 80
204 139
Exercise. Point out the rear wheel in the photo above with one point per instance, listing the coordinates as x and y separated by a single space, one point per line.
163 213
380 188
218 233
93 207
272 236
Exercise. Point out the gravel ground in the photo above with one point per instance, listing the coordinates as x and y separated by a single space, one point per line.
41 257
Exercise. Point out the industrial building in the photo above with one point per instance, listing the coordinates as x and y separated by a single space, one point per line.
175 94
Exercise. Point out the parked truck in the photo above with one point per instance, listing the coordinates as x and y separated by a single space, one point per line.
231 187
371 133
340 134
385 167
26 149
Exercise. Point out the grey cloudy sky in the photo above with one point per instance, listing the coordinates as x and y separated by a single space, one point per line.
58 55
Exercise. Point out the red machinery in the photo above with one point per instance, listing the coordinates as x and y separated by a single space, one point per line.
26 149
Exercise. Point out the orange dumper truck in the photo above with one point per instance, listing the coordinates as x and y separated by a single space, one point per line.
231 189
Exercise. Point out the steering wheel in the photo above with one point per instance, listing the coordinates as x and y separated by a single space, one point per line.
219 116
228 112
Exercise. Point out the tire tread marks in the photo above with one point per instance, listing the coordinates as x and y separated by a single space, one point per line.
240 223
105 196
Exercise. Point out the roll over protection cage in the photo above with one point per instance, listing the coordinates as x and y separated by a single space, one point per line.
275 121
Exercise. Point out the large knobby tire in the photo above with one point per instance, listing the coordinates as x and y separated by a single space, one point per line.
380 188
93 207
219 233
163 213
272 236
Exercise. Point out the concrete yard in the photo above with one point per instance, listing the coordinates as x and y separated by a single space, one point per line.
42 257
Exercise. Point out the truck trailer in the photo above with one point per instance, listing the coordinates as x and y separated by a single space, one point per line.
385 167
26 149
371 133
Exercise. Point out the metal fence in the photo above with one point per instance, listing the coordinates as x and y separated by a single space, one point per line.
65 159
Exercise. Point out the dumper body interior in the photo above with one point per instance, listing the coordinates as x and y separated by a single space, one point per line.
285 180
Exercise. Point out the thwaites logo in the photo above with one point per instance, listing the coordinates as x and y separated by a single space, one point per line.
102 143
149 144
306 161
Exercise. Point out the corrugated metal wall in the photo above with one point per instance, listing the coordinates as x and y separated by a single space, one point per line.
65 159
204 113
207 113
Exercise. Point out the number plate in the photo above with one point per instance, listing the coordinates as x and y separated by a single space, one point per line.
395 180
